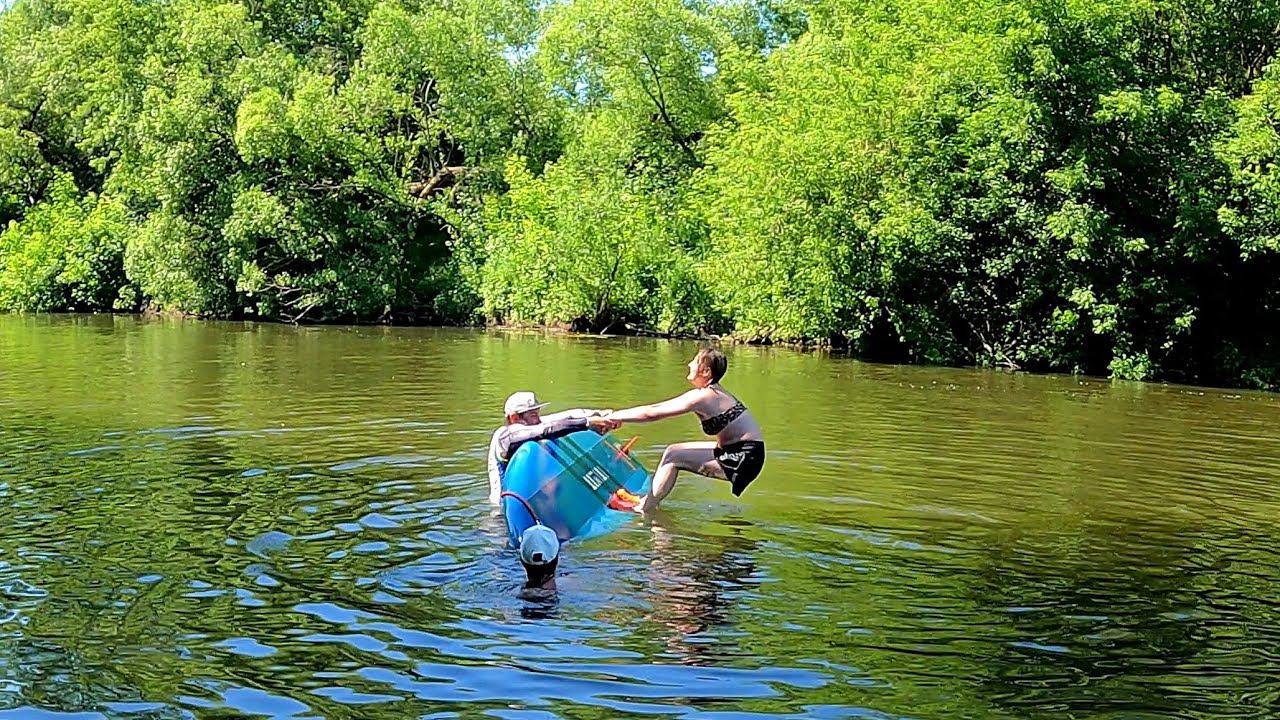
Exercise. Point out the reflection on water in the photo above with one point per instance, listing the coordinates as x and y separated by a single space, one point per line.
213 519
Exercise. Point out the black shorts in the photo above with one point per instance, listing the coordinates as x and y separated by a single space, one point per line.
741 462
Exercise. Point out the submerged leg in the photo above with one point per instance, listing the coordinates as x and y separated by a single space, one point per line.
698 457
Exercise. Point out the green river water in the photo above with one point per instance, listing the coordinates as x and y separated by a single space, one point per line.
237 520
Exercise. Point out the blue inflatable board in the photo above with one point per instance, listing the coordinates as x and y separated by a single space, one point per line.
567 481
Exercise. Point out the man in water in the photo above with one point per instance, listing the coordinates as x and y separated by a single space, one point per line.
539 545
540 554
525 423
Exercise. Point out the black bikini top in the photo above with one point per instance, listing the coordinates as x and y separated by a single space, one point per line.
717 423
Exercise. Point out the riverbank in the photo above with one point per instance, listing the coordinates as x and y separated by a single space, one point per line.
625 331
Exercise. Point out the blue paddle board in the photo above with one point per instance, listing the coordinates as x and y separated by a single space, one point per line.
567 482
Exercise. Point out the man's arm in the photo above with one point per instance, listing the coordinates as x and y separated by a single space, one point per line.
576 413
517 434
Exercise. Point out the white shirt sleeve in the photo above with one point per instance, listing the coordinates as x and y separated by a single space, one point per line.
495 477
576 414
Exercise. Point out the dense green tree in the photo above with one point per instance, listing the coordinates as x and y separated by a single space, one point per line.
68 253
603 236
1030 185
1250 215
1047 185
278 160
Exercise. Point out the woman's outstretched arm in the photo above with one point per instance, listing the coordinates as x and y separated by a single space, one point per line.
658 411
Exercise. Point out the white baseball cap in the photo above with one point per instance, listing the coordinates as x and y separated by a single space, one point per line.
521 402
539 545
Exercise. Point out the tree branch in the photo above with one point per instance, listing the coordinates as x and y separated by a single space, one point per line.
661 101
443 177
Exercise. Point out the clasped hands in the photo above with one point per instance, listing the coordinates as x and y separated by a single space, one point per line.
601 422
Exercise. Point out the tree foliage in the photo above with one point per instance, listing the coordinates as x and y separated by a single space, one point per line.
1055 184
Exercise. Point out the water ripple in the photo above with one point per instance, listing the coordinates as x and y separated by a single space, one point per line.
258 520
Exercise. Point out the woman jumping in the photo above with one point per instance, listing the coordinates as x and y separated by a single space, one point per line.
736 455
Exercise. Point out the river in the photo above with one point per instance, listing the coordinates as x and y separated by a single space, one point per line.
228 519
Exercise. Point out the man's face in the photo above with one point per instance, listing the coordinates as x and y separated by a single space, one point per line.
530 417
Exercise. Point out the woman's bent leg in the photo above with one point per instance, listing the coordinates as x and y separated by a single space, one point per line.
696 457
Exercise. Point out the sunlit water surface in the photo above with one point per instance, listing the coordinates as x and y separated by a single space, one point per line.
220 520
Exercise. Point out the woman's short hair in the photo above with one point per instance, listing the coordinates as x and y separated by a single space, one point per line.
713 360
